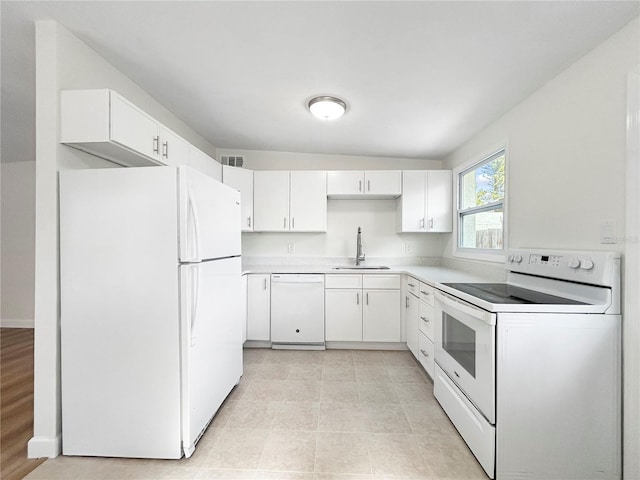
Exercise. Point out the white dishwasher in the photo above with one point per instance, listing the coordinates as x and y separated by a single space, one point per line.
297 311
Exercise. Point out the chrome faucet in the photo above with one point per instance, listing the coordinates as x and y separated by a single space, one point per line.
359 252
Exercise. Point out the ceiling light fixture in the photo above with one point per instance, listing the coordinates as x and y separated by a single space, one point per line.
327 108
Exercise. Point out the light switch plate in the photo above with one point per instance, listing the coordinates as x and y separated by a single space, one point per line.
291 248
408 247
608 232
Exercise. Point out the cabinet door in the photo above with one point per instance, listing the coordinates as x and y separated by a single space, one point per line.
258 307
411 305
439 201
203 162
383 182
345 182
133 128
381 316
343 315
174 150
271 201
411 213
242 180
308 201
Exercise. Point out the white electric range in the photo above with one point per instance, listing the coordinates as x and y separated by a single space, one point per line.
529 371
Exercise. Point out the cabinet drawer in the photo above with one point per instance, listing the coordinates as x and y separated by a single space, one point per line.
413 286
381 281
425 319
425 353
343 281
426 293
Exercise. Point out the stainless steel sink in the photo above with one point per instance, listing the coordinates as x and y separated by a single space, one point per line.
361 267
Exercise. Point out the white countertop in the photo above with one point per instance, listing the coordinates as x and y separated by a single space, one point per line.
427 274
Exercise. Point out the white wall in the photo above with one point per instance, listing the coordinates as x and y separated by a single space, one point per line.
18 203
566 171
566 152
376 217
64 62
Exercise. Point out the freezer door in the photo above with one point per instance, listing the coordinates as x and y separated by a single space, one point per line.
211 341
209 217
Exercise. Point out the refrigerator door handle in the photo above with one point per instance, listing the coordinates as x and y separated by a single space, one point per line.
194 239
195 293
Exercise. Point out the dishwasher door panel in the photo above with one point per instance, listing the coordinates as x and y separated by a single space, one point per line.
297 309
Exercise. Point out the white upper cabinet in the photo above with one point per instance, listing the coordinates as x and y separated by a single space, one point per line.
364 184
103 123
426 202
271 201
439 205
174 150
383 183
203 162
290 201
242 180
308 201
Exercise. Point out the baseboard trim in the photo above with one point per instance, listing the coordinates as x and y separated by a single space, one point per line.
17 323
366 345
39 447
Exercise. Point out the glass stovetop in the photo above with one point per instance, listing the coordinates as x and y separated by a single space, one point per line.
503 293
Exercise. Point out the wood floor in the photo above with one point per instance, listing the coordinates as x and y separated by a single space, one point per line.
16 402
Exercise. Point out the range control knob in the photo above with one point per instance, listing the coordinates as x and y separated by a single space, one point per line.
574 263
510 258
517 258
587 265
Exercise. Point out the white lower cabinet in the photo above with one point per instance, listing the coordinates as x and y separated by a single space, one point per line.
411 305
259 307
381 316
362 308
420 322
343 315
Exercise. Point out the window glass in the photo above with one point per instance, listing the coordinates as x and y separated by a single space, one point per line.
481 204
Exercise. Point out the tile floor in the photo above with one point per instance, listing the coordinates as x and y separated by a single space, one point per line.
336 414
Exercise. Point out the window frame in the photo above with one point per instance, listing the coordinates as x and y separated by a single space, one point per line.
485 254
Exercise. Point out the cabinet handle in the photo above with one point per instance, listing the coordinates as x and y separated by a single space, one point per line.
424 353
424 293
411 285
431 224
156 144
357 298
425 320
293 223
406 302
165 149
368 185
367 298
265 282
248 221
360 185
422 223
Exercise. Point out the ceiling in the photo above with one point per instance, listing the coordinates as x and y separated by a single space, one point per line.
419 77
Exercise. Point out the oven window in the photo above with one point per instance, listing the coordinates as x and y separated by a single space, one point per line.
459 341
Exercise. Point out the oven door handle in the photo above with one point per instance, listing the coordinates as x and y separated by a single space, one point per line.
477 313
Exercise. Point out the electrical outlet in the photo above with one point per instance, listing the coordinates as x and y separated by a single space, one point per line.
608 232
408 247
291 247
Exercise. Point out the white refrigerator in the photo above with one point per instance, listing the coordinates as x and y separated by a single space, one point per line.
151 328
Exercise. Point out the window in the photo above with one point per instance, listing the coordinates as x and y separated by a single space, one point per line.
481 206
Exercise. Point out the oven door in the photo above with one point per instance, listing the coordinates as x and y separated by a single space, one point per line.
465 349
